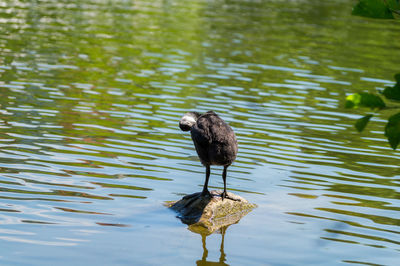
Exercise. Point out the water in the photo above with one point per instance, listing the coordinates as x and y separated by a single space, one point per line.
91 95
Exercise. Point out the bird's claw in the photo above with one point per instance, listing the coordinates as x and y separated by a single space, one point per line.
223 195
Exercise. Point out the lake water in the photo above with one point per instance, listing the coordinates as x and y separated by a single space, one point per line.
91 93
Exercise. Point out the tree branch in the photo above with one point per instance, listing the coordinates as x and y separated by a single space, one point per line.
395 11
392 10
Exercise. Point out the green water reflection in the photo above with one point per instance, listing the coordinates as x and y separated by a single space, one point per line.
90 96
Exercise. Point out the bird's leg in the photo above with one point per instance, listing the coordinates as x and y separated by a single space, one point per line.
224 194
205 191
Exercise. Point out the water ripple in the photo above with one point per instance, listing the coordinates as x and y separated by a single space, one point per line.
91 95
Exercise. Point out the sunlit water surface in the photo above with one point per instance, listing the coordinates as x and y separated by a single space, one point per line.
91 93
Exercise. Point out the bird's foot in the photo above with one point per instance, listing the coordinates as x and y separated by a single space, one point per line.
225 195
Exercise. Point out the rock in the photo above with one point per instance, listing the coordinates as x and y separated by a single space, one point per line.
206 214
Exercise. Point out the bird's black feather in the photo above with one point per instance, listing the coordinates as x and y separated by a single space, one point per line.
214 140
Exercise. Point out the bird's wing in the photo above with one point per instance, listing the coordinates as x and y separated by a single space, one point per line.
220 132
201 132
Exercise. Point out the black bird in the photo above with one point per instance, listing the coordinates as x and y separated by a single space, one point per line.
214 140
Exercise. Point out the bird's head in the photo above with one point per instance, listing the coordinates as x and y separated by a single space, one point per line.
188 120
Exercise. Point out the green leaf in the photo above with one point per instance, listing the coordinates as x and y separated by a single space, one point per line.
397 78
373 9
392 130
364 99
393 93
362 122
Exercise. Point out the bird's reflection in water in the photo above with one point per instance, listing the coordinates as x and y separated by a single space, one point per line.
222 257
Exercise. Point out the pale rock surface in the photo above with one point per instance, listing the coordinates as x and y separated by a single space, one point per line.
206 214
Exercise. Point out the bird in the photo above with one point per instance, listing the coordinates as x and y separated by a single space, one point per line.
215 143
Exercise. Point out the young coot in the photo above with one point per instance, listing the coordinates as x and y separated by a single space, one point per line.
214 140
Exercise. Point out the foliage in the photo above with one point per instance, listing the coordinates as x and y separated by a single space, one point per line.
364 99
362 122
393 93
375 102
392 130
383 9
